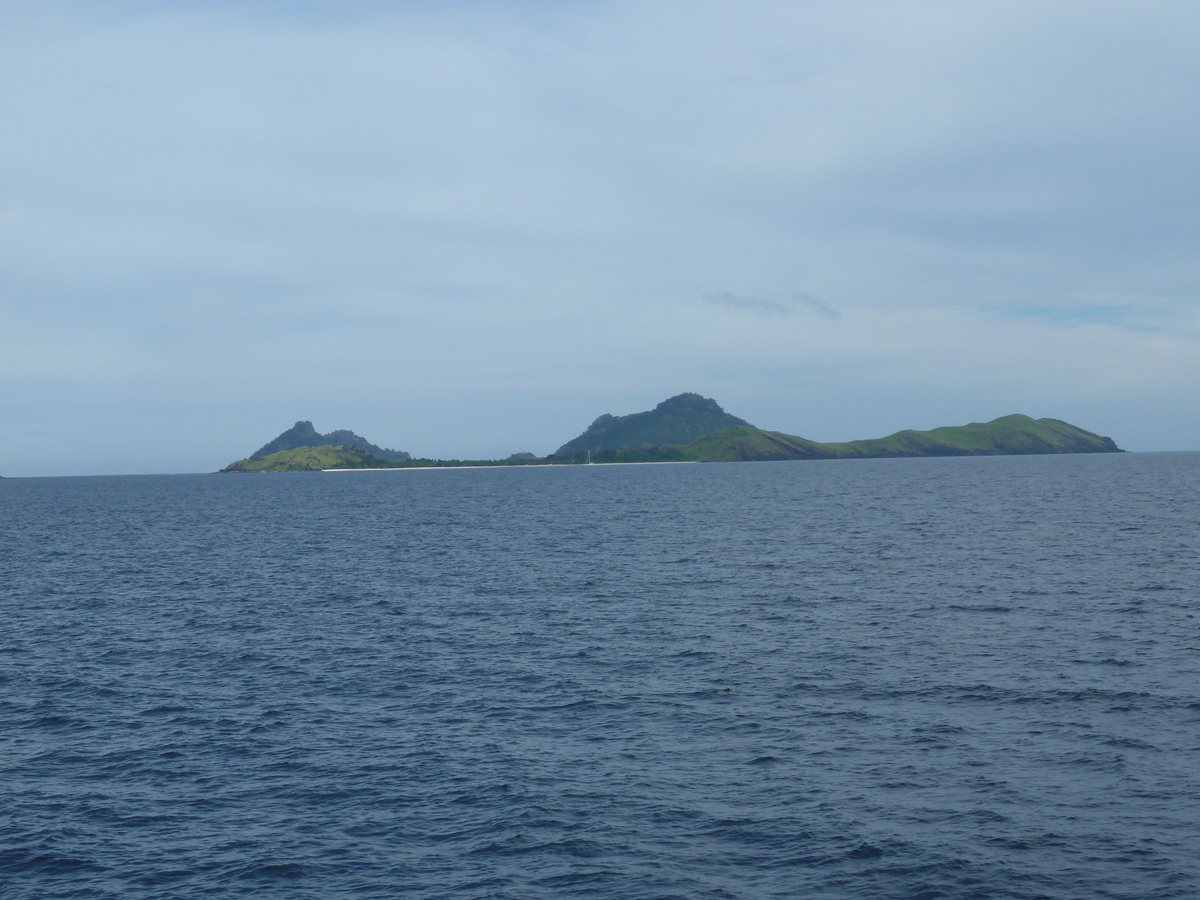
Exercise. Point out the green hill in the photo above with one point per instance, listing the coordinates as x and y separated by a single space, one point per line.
1006 436
680 420
302 434
309 459
753 444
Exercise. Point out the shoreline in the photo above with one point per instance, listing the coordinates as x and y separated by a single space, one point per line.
663 462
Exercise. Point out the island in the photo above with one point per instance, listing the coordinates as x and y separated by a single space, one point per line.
302 435
687 428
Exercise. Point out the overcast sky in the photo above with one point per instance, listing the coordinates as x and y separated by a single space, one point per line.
467 229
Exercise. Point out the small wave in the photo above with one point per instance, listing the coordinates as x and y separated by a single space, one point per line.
271 872
865 851
28 863
164 710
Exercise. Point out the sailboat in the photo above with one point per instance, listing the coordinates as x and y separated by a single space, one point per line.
589 459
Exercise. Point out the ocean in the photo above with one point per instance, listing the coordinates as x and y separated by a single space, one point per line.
922 678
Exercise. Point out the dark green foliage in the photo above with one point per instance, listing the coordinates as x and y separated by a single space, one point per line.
624 455
677 421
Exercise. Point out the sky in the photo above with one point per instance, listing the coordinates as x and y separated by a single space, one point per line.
467 229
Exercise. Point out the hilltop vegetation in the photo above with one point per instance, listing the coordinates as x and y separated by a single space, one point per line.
680 420
302 434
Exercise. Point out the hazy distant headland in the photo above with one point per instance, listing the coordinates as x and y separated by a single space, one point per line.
686 428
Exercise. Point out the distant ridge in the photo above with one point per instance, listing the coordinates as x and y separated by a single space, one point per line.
689 428
681 419
1014 435
302 434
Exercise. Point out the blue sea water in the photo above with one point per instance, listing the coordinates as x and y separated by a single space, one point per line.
958 678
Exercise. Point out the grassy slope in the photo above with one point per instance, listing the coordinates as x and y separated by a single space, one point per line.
309 459
747 444
1007 435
